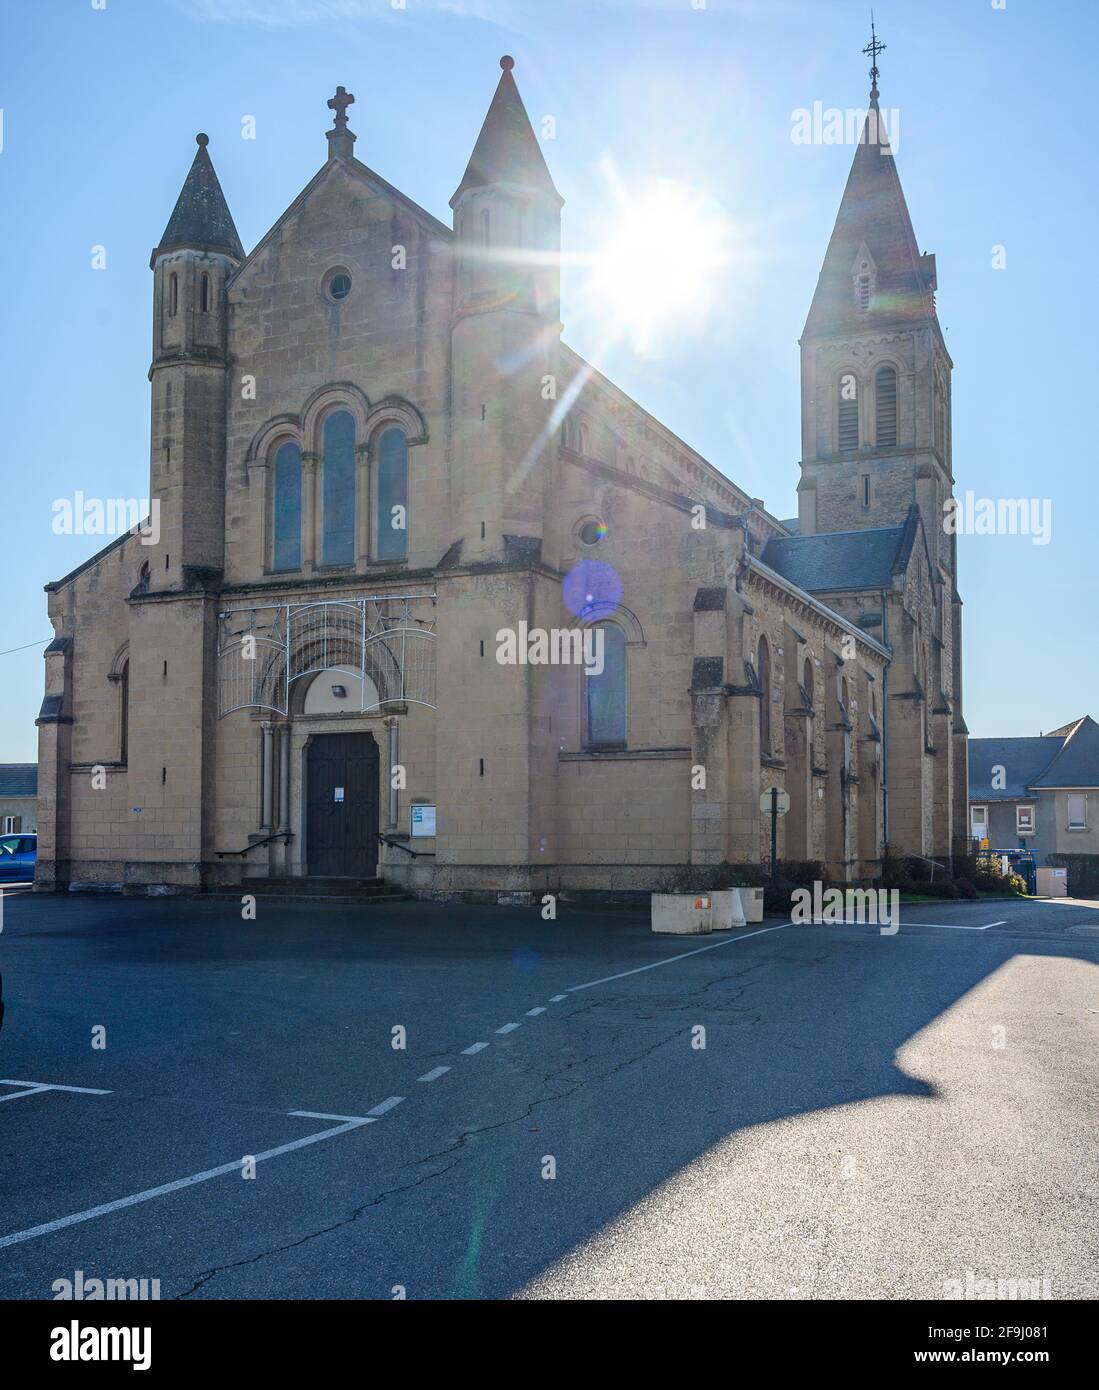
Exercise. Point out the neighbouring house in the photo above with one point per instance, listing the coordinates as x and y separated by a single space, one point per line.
1039 794
18 797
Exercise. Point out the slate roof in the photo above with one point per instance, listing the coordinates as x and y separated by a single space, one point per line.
1077 763
1023 759
201 218
18 779
507 149
872 211
834 560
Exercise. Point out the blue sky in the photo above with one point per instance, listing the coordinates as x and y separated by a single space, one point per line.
100 109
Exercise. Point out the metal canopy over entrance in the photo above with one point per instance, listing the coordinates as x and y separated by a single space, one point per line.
386 640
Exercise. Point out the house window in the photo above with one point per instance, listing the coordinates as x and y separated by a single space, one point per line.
1077 811
1024 820
885 407
848 411
392 540
12 823
763 668
338 492
978 822
286 550
605 694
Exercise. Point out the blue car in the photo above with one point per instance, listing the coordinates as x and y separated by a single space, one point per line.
18 854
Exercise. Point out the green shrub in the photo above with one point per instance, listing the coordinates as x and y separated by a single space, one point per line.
966 889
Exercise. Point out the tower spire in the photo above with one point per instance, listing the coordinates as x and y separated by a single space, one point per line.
201 220
507 149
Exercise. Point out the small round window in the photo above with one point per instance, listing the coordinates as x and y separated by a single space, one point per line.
591 532
337 284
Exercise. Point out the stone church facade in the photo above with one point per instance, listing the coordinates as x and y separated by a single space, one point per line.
385 491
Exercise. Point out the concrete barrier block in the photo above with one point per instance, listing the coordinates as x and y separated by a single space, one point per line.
682 914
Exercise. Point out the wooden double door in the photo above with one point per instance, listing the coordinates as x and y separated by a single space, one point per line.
341 806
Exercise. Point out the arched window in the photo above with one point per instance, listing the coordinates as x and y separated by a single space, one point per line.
124 714
763 668
605 693
885 407
286 515
392 489
807 678
173 294
205 293
338 490
584 441
848 435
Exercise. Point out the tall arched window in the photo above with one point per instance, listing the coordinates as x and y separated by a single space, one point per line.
286 515
124 714
763 668
205 293
173 294
338 489
392 489
807 679
848 432
605 694
885 407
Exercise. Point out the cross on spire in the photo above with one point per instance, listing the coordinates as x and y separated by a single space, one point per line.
339 103
872 49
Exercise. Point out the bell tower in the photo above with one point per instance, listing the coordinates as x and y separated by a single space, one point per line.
875 370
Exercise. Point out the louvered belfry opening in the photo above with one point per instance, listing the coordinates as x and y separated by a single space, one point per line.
848 413
885 407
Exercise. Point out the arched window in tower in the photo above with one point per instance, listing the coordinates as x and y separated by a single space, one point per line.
763 670
605 693
885 407
807 682
286 513
338 489
848 424
205 296
392 489
173 294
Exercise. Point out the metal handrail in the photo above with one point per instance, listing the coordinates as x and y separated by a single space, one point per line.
286 835
396 844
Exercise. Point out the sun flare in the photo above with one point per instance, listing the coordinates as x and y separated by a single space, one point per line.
655 267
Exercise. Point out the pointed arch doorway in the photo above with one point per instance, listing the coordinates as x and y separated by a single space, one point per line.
341 806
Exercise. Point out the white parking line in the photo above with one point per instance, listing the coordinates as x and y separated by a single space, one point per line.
508 1028
386 1105
53 1086
533 1013
474 1047
953 926
48 1227
670 960
36 1088
434 1074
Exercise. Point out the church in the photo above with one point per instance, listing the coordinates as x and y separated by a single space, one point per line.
425 598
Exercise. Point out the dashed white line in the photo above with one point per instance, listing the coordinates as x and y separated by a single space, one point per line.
386 1105
433 1074
474 1047
556 999
48 1227
508 1028
533 1013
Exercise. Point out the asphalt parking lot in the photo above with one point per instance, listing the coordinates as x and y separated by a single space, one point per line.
860 1116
